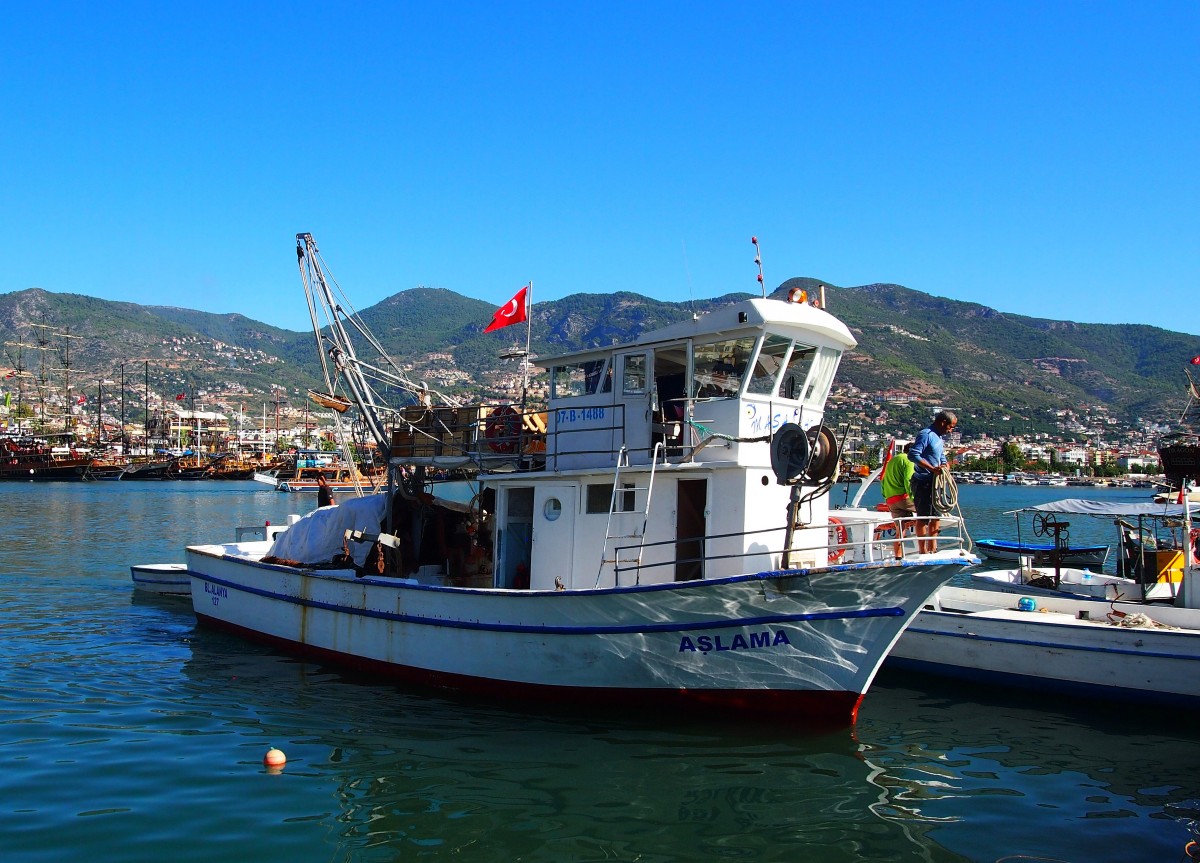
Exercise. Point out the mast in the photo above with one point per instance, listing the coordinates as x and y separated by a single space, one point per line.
341 354
20 373
66 355
124 441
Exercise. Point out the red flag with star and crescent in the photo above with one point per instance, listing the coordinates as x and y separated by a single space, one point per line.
512 312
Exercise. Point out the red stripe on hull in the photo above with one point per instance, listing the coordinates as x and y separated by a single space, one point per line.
816 710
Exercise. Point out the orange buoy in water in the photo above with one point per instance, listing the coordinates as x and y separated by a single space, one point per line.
274 758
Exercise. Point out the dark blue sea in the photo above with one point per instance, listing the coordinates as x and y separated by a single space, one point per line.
128 734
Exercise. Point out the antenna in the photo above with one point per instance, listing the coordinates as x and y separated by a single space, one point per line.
758 260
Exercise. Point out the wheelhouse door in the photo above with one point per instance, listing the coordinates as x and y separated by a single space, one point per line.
633 394
691 525
553 536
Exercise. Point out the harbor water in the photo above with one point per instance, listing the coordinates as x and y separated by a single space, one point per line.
129 734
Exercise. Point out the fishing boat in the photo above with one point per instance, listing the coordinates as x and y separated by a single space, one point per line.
1134 636
657 535
172 579
1051 550
1043 552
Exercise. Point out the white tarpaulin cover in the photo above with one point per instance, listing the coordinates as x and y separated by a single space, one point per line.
318 536
1112 509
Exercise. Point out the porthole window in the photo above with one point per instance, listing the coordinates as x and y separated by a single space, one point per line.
553 509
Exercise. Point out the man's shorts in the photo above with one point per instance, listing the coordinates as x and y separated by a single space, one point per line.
923 497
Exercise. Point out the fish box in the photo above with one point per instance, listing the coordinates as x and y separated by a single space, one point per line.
468 423
402 443
420 417
1168 565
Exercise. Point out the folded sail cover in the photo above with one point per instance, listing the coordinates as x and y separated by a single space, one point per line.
1112 509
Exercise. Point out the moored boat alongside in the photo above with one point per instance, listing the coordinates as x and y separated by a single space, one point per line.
1044 552
1130 637
163 579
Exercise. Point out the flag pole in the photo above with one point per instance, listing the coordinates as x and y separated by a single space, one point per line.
528 336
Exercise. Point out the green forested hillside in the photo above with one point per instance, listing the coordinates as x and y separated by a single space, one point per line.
990 364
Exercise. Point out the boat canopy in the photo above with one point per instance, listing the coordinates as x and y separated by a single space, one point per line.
1110 509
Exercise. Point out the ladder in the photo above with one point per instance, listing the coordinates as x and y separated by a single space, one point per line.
618 493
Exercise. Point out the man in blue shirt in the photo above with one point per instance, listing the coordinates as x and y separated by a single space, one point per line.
928 456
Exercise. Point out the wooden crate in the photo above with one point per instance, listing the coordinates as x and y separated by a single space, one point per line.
468 424
402 443
425 446
418 416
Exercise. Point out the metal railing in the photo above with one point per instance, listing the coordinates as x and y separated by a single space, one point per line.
878 548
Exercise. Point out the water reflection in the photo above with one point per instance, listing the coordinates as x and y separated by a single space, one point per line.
416 774
129 734
1079 780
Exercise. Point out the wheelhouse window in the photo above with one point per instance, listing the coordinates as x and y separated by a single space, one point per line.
720 368
791 384
633 375
771 358
820 378
580 379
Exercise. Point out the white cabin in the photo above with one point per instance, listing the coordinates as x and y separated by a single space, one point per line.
680 423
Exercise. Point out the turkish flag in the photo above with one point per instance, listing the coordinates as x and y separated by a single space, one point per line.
512 312
180 397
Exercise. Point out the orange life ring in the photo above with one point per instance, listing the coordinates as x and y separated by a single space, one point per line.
501 429
841 537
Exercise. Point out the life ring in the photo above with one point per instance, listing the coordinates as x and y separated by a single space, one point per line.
501 429
838 531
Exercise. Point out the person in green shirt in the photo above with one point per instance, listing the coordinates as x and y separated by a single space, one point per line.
896 484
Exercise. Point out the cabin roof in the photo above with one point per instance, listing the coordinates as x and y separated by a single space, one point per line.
799 320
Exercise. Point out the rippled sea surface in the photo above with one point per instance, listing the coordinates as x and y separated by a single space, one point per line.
128 734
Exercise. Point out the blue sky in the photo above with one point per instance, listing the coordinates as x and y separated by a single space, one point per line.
1040 158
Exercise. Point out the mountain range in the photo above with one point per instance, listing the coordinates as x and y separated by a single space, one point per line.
995 367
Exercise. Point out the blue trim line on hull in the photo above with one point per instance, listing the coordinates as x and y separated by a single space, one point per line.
1049 645
765 575
891 611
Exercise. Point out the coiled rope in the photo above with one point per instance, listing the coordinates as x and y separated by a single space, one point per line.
945 502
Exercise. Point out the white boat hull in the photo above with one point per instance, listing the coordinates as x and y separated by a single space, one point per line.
165 579
1054 649
805 643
